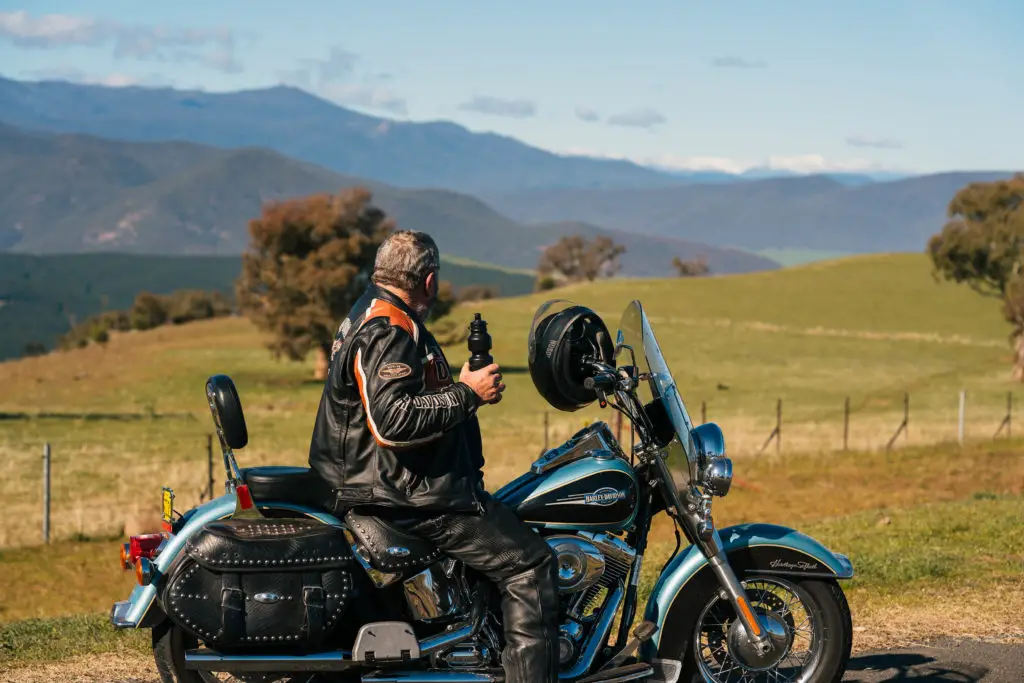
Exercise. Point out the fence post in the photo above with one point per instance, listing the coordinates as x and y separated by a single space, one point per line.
777 432
618 426
1006 418
209 465
778 426
46 493
846 424
545 432
960 421
903 425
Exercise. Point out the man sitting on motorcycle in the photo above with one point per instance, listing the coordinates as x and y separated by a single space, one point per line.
396 437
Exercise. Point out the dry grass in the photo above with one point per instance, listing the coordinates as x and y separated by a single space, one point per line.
868 328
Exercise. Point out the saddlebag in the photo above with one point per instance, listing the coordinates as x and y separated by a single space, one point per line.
253 582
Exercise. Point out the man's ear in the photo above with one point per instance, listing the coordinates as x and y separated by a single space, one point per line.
429 283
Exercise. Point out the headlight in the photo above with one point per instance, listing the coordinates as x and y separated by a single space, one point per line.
717 476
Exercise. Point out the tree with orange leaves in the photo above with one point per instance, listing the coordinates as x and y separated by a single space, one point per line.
309 259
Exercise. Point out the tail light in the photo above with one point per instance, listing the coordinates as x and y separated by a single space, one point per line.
144 546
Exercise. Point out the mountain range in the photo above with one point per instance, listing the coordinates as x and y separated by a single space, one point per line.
298 124
812 212
79 193
183 170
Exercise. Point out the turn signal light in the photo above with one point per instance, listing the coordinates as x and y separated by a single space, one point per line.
143 571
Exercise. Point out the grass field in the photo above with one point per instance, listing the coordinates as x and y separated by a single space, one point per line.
933 529
869 328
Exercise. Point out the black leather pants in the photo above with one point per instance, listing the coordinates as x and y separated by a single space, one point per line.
500 546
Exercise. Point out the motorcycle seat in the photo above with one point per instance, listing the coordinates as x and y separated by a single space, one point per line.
388 548
289 484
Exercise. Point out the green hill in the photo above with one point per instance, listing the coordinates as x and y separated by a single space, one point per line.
40 296
77 193
865 328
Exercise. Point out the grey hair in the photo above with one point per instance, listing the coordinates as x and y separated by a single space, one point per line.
404 259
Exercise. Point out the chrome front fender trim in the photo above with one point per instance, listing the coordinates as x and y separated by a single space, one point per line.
816 561
130 613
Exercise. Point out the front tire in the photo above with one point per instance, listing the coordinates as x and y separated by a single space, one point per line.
699 631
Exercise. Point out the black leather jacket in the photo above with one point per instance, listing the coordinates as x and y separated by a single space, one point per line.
392 428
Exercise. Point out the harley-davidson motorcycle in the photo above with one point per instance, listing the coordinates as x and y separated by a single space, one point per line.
262 584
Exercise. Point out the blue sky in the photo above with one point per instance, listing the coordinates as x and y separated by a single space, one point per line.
901 85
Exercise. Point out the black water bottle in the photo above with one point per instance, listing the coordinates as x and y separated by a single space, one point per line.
479 344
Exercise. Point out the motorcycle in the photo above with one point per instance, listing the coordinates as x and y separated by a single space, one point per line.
263 584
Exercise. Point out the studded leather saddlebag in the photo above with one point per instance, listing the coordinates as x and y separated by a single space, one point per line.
253 583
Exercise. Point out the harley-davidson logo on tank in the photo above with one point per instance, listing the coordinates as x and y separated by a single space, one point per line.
602 496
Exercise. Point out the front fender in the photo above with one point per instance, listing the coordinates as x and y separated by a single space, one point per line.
765 549
136 611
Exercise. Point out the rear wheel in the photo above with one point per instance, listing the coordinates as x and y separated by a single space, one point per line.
169 645
808 618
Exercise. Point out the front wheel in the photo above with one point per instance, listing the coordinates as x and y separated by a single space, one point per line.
809 620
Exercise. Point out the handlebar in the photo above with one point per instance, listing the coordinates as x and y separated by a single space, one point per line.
604 381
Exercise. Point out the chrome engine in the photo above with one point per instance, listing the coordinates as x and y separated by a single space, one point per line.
589 565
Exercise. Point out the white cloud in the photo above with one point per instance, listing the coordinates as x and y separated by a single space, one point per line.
587 114
796 163
213 48
115 80
498 106
361 95
334 77
876 143
644 117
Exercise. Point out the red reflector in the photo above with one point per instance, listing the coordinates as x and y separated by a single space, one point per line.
244 497
143 546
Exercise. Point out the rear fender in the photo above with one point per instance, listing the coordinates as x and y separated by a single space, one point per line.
140 609
766 549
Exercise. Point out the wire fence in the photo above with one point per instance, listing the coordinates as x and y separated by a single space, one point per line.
89 487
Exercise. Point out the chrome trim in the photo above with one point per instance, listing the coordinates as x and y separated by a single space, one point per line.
208 660
614 548
580 563
717 476
572 450
119 615
445 640
435 677
633 673
432 594
472 655
666 670
379 578
597 636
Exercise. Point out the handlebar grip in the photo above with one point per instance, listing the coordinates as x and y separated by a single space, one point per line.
601 380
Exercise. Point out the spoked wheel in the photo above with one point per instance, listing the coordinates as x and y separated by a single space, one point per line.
808 622
170 643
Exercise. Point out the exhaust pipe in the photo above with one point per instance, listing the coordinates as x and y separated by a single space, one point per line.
208 660
340 660
435 677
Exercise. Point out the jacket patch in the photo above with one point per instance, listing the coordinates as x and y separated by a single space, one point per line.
436 373
394 371
335 347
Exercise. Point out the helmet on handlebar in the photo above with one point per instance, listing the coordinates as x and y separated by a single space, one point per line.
564 339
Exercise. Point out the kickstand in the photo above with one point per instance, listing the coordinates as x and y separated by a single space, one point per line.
644 631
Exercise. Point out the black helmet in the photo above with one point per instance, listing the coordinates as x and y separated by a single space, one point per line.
563 337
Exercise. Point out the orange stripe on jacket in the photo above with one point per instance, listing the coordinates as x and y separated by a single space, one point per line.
395 315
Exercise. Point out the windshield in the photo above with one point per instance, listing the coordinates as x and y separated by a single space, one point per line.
636 332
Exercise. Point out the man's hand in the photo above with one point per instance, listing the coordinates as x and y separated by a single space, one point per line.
486 382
